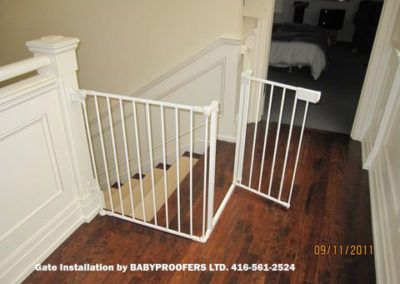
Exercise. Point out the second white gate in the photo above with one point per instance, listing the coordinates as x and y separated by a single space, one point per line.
268 151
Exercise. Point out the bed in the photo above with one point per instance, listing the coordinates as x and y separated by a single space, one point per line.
299 45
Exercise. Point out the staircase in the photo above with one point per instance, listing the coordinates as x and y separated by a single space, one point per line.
162 191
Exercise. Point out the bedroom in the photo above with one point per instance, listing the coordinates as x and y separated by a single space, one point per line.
323 45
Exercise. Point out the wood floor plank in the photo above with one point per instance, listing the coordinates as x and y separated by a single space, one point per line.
330 206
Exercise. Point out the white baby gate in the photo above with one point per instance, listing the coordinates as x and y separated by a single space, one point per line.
142 202
279 189
140 114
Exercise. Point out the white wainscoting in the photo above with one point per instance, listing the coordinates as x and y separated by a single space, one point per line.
36 178
42 201
381 156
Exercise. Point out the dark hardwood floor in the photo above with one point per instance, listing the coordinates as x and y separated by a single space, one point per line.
330 206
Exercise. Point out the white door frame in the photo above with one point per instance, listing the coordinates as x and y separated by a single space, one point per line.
262 13
374 79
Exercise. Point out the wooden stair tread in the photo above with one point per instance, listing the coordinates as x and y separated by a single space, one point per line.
136 190
184 168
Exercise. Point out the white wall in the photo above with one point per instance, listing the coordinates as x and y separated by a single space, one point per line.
124 43
311 15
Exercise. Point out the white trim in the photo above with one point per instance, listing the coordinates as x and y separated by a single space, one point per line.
374 78
392 104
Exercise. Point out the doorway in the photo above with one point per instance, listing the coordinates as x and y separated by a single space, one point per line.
323 46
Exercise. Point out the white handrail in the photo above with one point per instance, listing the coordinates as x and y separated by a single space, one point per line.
22 67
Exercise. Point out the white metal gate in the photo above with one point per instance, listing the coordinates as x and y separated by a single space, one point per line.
125 145
129 136
264 148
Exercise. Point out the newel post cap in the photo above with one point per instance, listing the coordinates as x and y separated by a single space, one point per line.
52 44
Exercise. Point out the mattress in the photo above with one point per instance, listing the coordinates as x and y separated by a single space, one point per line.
299 54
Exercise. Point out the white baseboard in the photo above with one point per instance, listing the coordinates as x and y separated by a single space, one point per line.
16 267
91 204
384 233
227 138
40 245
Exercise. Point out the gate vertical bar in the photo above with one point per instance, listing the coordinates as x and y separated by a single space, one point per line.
164 166
276 141
139 160
128 168
241 127
178 189
205 174
271 95
103 152
287 147
85 116
243 89
151 161
115 154
255 133
214 107
298 151
191 173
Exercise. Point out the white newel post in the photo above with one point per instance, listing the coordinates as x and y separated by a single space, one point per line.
61 51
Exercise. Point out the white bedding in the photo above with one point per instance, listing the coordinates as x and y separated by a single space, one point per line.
286 54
